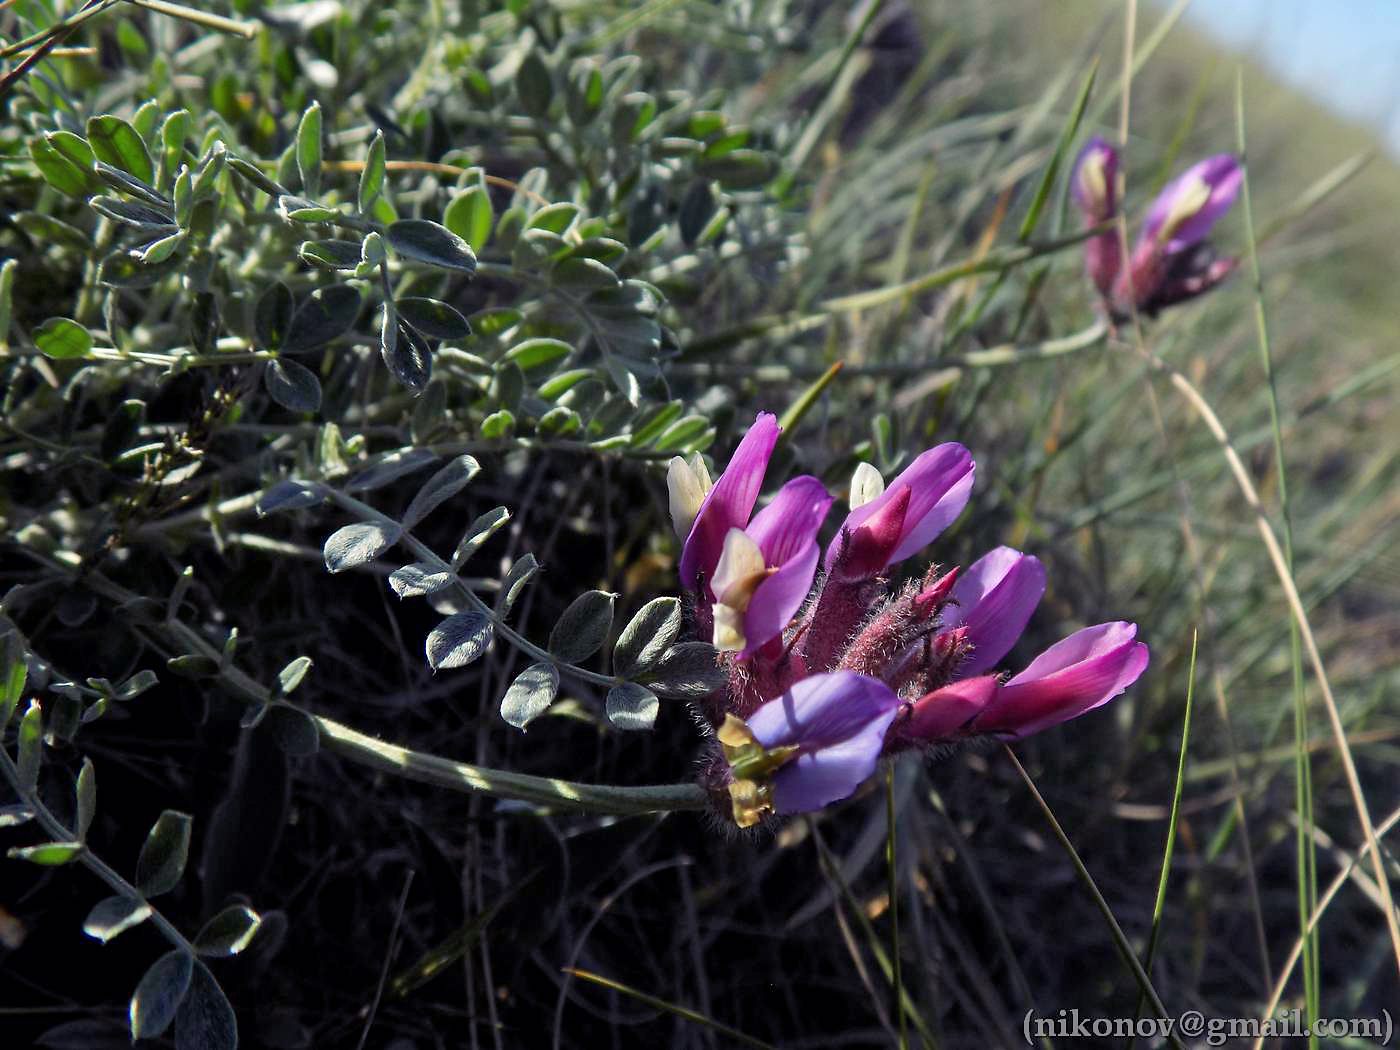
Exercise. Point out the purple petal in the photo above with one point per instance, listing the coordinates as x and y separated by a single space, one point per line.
1096 209
823 710
1223 174
1073 676
940 481
839 723
994 600
776 600
729 504
941 713
791 521
811 781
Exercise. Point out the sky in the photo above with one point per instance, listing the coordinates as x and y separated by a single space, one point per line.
1345 53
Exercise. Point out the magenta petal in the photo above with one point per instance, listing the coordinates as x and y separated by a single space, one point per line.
941 713
838 722
729 504
939 482
1223 174
776 600
994 600
791 521
1073 676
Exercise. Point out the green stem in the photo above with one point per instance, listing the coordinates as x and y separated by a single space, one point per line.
55 829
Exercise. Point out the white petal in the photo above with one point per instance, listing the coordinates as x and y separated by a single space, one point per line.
866 484
686 493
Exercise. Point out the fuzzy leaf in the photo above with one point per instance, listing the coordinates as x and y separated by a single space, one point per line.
632 706
293 386
441 487
112 915
159 994
428 242
458 640
583 628
688 671
530 695
432 318
647 636
412 581
205 1020
326 314
390 468
163 855
87 798
227 933
358 544
478 532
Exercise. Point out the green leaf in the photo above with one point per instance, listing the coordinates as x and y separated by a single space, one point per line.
417 579
74 147
113 915
325 314
442 486
581 274
740 170
31 742
372 175
469 215
62 339
632 706
478 532
522 570
136 685
290 676
390 468
205 1020
273 317
14 670
458 640
163 856
332 254
87 798
425 241
554 218
432 318
159 994
498 424
117 143
288 495
647 636
309 149
193 665
534 85
584 627
558 422
227 933
405 354
60 172
530 695
359 544
49 854
300 209
535 352
292 385
688 671
123 269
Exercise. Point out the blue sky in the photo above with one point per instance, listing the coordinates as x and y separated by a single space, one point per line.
1345 53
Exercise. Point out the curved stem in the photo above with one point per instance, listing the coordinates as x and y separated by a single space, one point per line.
99 867
415 765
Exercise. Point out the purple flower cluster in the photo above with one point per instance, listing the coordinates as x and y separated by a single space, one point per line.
1172 260
824 681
